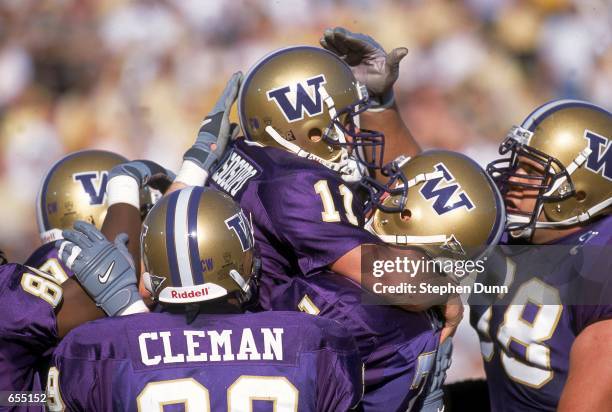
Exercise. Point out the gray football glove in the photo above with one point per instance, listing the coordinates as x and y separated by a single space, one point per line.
216 130
146 173
104 269
370 64
434 398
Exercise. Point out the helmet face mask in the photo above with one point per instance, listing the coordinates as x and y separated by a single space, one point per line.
572 182
396 186
306 100
366 146
549 180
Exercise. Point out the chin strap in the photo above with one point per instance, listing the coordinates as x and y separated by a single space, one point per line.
581 218
51 236
293 148
346 166
571 168
404 240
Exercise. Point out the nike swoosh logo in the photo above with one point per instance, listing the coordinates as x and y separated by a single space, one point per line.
106 275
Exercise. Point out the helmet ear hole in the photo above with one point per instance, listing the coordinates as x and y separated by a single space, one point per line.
315 134
405 214
581 195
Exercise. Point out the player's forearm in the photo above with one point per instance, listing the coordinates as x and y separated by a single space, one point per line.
398 139
589 383
124 218
350 265
77 308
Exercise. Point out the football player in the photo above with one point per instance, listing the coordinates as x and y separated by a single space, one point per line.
453 210
546 343
292 174
74 188
199 351
36 310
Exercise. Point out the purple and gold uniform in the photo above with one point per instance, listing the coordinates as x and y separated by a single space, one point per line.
304 215
28 329
235 362
398 348
45 258
305 218
526 338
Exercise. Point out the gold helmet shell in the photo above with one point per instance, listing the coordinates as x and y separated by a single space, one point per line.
452 208
74 189
298 99
197 245
572 142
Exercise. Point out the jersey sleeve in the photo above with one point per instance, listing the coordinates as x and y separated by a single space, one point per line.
317 215
339 370
79 385
28 302
28 329
45 258
594 288
84 366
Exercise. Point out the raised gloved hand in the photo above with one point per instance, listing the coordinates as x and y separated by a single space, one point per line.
215 133
370 64
104 269
145 173
126 179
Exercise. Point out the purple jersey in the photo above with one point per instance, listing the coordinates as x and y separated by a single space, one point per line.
235 362
397 347
526 345
28 329
304 216
45 258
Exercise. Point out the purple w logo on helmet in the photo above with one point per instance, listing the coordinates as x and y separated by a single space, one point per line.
242 228
294 100
442 195
599 161
94 184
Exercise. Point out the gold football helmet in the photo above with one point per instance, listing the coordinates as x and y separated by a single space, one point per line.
74 189
452 208
305 100
571 141
197 245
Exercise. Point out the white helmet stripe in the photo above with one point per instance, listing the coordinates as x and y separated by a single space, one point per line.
181 237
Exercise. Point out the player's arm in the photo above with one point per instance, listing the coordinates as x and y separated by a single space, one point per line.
104 269
378 71
216 131
451 306
76 308
123 216
123 191
398 139
589 383
322 222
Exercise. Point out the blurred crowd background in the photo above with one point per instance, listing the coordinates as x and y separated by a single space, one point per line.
137 76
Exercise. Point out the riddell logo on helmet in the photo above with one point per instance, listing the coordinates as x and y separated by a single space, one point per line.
294 100
191 294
